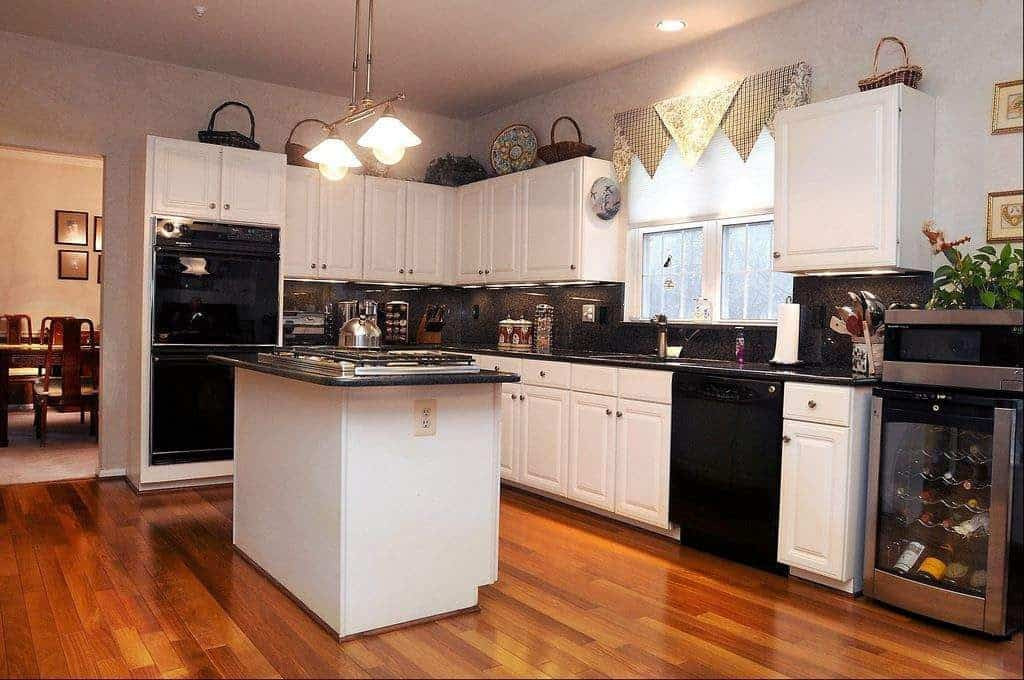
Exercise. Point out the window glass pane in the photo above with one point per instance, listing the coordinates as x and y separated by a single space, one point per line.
750 289
672 272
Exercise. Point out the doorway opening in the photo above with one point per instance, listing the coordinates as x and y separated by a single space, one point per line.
51 271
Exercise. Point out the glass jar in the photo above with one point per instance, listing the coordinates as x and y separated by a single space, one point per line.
543 327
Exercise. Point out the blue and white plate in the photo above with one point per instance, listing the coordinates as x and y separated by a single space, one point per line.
514 149
605 198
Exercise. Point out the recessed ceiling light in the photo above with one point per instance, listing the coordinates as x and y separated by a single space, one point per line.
671 25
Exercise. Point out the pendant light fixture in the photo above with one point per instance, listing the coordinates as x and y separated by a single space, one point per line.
388 137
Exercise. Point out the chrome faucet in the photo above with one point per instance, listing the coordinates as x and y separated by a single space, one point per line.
660 322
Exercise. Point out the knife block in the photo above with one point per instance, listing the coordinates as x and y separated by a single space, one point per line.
425 337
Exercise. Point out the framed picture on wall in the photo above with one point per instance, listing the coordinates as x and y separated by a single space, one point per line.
1008 107
1005 221
70 228
97 234
73 265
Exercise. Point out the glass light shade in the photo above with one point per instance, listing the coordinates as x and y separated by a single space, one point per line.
333 173
389 155
387 134
333 151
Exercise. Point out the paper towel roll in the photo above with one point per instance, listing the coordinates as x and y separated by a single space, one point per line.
787 335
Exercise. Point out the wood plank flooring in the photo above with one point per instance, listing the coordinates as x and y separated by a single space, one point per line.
96 581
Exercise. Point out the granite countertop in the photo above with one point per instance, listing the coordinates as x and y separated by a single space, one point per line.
803 373
370 380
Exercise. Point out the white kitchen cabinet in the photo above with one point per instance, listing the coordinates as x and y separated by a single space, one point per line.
544 445
812 514
643 434
471 238
592 450
854 181
186 178
210 182
510 431
252 186
384 230
536 226
428 215
824 483
323 228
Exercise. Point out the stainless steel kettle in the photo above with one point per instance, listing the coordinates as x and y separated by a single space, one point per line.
359 333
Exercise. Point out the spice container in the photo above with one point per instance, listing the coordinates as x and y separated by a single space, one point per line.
515 335
543 326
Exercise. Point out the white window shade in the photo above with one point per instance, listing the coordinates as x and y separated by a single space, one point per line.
721 184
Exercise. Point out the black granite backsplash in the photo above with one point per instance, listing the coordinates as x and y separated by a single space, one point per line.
474 314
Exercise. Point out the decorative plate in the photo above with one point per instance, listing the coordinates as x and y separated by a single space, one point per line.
514 149
605 198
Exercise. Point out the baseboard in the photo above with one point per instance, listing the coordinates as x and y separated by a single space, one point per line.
851 587
152 487
111 472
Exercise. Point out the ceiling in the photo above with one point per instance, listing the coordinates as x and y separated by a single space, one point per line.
458 58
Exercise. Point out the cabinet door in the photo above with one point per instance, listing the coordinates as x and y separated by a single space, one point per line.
544 445
504 229
552 222
470 232
812 513
301 230
642 461
252 187
592 450
384 233
836 183
186 179
425 224
341 228
510 405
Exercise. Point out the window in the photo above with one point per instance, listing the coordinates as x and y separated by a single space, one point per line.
727 262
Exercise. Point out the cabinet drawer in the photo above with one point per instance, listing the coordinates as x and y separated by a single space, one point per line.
495 363
595 379
547 373
817 403
645 385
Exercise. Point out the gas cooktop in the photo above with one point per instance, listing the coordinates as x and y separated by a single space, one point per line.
336 362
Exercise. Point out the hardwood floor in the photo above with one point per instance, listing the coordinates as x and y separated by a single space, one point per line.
96 581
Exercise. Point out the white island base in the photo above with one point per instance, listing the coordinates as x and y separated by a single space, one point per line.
366 523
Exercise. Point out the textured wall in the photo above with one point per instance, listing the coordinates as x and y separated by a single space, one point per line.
76 100
33 186
965 46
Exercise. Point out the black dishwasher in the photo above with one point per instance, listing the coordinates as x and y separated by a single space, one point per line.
727 465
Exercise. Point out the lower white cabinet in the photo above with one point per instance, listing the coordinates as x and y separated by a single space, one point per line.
812 515
545 438
592 449
642 459
511 394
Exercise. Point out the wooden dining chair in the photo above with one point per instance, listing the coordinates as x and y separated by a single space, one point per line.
75 389
16 329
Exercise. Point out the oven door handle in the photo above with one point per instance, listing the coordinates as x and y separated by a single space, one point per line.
218 252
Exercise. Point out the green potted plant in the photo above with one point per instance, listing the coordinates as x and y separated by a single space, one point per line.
986 279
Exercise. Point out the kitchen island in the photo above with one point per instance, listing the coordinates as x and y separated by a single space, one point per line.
372 500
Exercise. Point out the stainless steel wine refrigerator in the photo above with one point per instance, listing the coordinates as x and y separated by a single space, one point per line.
944 526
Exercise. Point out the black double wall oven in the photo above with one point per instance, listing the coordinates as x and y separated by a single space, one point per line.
215 291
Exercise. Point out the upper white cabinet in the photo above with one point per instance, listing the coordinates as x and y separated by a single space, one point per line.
853 182
322 236
405 231
209 182
537 226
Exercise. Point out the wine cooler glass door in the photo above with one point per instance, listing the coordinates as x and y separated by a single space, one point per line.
934 493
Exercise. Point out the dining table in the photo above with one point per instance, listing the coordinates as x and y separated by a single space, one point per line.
26 356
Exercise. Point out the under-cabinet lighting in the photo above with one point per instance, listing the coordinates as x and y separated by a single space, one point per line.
671 25
859 272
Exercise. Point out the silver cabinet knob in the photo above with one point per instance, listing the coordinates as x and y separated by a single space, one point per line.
410 271
323 266
513 397
227 206
543 374
776 255
572 266
785 439
771 389
487 271
618 414
480 271
213 205
401 271
522 397
607 411
312 265
812 404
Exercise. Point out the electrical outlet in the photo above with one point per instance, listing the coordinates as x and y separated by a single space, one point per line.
589 313
424 417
